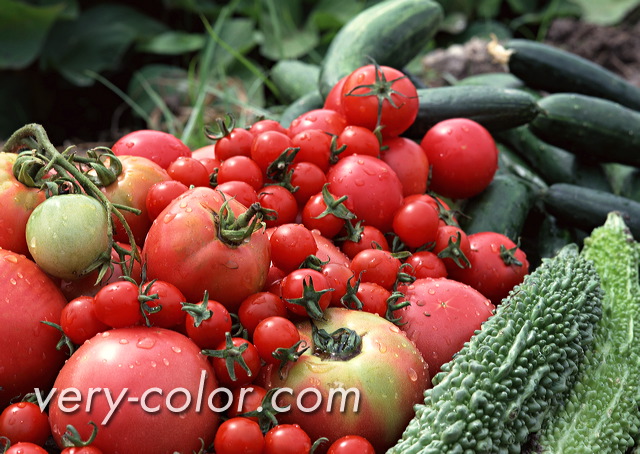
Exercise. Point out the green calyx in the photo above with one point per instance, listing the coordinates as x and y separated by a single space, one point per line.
310 299
232 230
340 345
231 354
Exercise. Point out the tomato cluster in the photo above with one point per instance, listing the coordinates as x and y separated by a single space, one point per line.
274 268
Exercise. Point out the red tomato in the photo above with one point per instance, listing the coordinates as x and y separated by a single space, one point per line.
25 448
236 143
308 179
189 171
372 89
236 361
314 147
279 199
17 202
79 321
291 244
261 126
326 120
326 213
206 324
117 304
286 439
351 444
409 161
161 194
267 146
328 252
374 189
241 168
157 374
306 292
333 100
273 333
205 152
81 450
453 247
245 400
425 264
259 306
442 316
184 247
25 422
28 351
373 298
358 140
370 237
157 146
169 298
416 224
497 265
239 435
463 157
241 191
338 276
376 265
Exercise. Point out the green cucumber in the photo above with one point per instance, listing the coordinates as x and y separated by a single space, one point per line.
391 33
495 108
588 126
502 207
553 236
294 78
587 208
504 80
549 68
303 104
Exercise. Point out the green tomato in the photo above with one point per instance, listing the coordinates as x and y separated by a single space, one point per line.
67 234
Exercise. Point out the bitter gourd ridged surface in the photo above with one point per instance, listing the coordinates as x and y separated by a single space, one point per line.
601 414
506 379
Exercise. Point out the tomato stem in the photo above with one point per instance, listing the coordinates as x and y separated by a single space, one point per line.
234 231
199 312
72 438
231 354
340 345
310 299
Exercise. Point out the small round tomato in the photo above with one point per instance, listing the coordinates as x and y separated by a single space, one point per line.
358 140
79 320
291 244
161 194
279 199
236 143
241 191
241 168
207 323
326 120
314 147
369 238
306 292
333 100
239 435
416 224
425 264
246 399
338 275
351 444
25 448
189 171
169 298
259 306
267 124
286 439
463 157
25 422
376 265
409 161
117 304
273 333
160 147
243 365
373 298
452 246
326 213
267 146
308 179
375 96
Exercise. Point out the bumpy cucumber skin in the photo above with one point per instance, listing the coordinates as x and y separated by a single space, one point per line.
587 208
590 127
391 33
505 380
495 108
600 414
545 67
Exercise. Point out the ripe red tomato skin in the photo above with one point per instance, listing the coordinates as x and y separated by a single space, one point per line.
338 275
333 100
351 444
358 140
425 264
409 161
314 147
371 237
281 200
25 448
81 450
160 147
416 224
239 435
287 439
259 306
189 171
210 332
237 143
326 120
309 179
78 320
273 333
242 377
117 305
291 244
169 297
267 146
24 422
292 286
261 126
376 265
246 399
161 194
243 192
241 168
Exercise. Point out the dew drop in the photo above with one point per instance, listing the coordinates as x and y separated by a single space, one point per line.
146 343
168 217
124 341
165 361
176 349
153 364
13 281
11 258
413 375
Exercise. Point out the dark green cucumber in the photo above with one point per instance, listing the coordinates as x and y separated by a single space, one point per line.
587 208
504 80
588 126
552 237
392 33
502 207
512 163
495 108
549 68
551 163
305 103
294 78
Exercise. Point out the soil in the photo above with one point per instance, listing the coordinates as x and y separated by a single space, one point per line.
615 48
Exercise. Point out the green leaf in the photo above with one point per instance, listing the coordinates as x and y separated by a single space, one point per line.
283 36
96 41
332 14
609 12
489 9
173 43
240 35
23 30
164 81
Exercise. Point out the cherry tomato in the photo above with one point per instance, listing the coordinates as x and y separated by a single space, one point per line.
189 171
376 265
337 275
351 444
291 244
236 143
326 120
261 126
267 146
25 448
333 100
425 264
358 140
24 422
79 321
309 179
170 299
234 374
161 194
373 298
239 435
370 238
280 200
206 324
117 304
241 191
160 147
314 147
452 246
315 214
273 333
306 292
259 306
246 399
416 224
409 161
241 168
287 439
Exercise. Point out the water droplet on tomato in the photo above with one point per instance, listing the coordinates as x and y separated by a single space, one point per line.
420 303
165 361
431 291
232 265
413 375
106 334
11 258
13 281
168 217
358 182
394 329
146 343
176 349
124 341
153 364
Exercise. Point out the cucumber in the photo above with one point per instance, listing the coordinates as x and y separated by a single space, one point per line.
588 126
294 78
549 68
552 237
587 208
392 33
504 80
305 103
554 164
502 207
495 108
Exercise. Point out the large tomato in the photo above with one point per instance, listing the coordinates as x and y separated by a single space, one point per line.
130 189
158 146
157 377
185 248
386 372
17 202
28 355
442 315
373 188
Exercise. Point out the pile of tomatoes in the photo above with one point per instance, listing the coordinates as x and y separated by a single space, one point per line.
270 269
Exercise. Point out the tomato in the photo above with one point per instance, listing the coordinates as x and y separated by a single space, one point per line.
308 179
351 444
376 265
463 157
267 146
81 450
373 298
338 276
189 171
239 435
205 152
161 194
273 333
326 213
306 292
169 298
497 265
241 191
386 372
328 252
452 245
314 146
442 316
67 234
358 140
425 264
138 176
207 323
409 161
370 237
416 224
245 400
185 248
291 244
374 189
25 448
17 202
117 304
79 321
241 168
286 439
157 374
370 89
236 361
236 143
326 120
259 306
333 100
279 199
24 422
267 124
160 147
